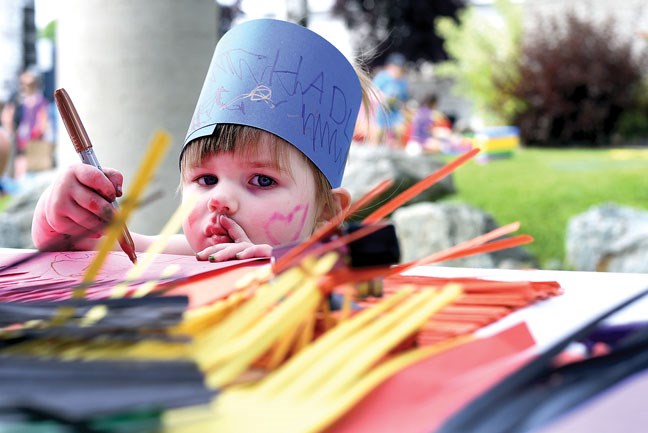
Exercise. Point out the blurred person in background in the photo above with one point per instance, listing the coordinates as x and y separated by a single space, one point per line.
5 140
431 130
26 120
392 88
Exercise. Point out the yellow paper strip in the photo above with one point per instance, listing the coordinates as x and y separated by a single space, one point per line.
170 228
155 152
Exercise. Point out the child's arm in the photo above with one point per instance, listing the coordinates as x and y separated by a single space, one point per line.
177 244
72 212
241 248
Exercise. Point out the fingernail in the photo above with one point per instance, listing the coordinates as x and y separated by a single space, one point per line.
237 255
118 190
211 259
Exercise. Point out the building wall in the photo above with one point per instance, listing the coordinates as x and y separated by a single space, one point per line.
131 68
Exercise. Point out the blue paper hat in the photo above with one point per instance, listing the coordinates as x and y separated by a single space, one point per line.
287 80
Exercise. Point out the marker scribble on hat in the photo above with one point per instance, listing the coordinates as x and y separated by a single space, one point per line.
285 79
321 107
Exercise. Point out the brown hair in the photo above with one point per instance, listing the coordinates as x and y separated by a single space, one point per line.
369 93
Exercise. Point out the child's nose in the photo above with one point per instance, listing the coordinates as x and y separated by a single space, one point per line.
223 201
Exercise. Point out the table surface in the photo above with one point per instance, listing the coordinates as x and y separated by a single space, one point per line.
586 296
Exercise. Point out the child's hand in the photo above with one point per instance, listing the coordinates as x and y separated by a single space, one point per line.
241 248
76 204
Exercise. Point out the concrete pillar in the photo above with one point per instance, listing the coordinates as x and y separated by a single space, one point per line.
132 67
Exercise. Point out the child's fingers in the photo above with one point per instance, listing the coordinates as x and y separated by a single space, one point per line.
228 252
95 179
92 222
71 218
85 209
240 251
116 178
84 228
72 206
234 231
76 197
204 254
255 251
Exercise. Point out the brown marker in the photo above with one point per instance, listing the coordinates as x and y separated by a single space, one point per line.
83 147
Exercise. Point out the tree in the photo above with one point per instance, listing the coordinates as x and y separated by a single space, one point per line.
577 77
384 26
484 59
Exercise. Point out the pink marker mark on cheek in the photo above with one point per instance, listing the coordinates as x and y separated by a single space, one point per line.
192 230
194 216
191 220
277 228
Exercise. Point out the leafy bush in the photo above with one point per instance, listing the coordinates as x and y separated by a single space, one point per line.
49 31
484 59
381 27
576 77
633 122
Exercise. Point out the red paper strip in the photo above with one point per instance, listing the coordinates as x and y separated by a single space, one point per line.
419 398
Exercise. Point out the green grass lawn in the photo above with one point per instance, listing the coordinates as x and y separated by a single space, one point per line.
543 189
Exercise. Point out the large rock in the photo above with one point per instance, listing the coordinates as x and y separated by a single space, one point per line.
427 228
369 165
608 237
16 218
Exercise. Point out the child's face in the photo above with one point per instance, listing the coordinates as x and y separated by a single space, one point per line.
273 206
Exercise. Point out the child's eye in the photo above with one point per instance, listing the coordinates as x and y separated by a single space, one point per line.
262 181
207 180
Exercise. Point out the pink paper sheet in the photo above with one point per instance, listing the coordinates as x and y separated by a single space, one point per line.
52 275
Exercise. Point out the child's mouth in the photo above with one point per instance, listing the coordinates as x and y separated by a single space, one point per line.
217 235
